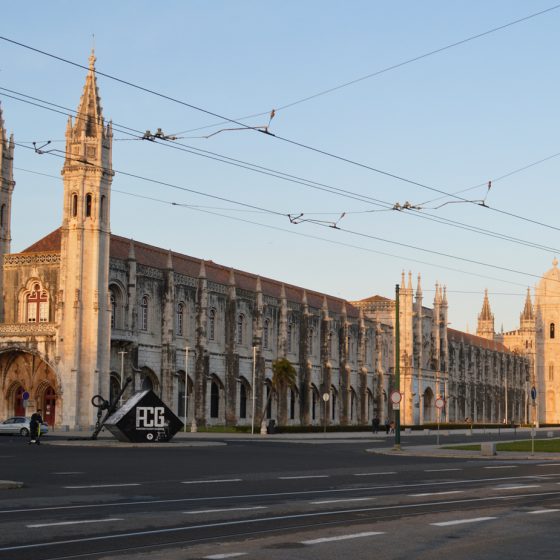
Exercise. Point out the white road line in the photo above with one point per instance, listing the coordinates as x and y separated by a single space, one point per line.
227 555
342 537
517 486
274 519
548 465
441 470
69 472
502 467
435 493
35 525
543 511
224 509
212 481
303 477
375 473
104 485
343 500
460 521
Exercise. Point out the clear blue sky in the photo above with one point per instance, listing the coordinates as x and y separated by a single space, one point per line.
450 121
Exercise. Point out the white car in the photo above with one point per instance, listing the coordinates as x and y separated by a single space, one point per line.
19 425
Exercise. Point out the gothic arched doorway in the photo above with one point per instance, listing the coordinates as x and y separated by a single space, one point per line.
19 407
49 406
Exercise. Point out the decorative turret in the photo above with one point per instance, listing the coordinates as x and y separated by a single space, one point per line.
527 317
485 327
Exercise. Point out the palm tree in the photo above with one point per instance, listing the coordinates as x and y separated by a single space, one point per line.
283 376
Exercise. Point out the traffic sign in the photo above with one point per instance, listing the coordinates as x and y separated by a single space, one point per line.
533 392
440 403
395 397
25 395
326 397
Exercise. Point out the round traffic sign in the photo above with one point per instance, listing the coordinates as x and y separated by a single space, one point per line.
440 403
533 392
395 397
326 397
25 395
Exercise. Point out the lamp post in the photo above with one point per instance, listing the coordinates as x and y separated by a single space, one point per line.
186 385
397 368
254 396
122 353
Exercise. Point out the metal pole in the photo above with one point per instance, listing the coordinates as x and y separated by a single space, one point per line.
505 395
254 396
122 353
397 368
186 386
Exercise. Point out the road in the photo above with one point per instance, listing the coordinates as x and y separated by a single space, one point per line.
271 499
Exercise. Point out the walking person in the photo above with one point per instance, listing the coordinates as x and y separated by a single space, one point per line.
375 424
387 425
35 427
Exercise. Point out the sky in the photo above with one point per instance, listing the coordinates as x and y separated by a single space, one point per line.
408 129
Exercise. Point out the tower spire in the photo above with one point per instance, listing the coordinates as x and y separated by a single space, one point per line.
485 327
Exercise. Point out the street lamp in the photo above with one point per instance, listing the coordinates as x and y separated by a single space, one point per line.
254 396
186 385
122 353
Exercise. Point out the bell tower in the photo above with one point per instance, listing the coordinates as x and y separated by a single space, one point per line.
83 300
7 184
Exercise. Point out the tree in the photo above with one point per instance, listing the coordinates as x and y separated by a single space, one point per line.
283 377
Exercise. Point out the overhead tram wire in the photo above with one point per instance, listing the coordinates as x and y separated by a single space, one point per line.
291 178
297 233
65 156
283 139
383 70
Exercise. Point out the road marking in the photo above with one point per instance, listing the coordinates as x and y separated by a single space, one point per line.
516 486
212 481
35 525
69 472
441 470
224 509
342 500
375 473
271 494
303 477
342 537
543 511
548 465
436 493
502 467
104 485
220 556
275 519
460 521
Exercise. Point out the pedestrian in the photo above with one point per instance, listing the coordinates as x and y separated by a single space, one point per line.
375 424
387 425
35 427
392 427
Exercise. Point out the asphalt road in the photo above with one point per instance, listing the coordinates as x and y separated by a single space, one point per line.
270 500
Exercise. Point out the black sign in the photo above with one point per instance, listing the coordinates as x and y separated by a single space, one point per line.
144 418
533 392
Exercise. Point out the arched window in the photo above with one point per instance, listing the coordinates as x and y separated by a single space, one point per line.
242 401
37 305
266 333
310 341
2 215
269 401
552 330
102 208
212 324
289 336
74 205
551 372
113 309
292 404
144 313
180 319
330 344
88 205
214 400
240 328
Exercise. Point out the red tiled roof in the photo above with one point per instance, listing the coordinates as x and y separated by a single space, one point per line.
468 338
156 257
374 299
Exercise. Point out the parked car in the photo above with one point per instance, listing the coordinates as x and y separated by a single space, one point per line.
19 425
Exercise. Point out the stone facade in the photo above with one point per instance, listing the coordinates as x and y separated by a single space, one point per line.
83 309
